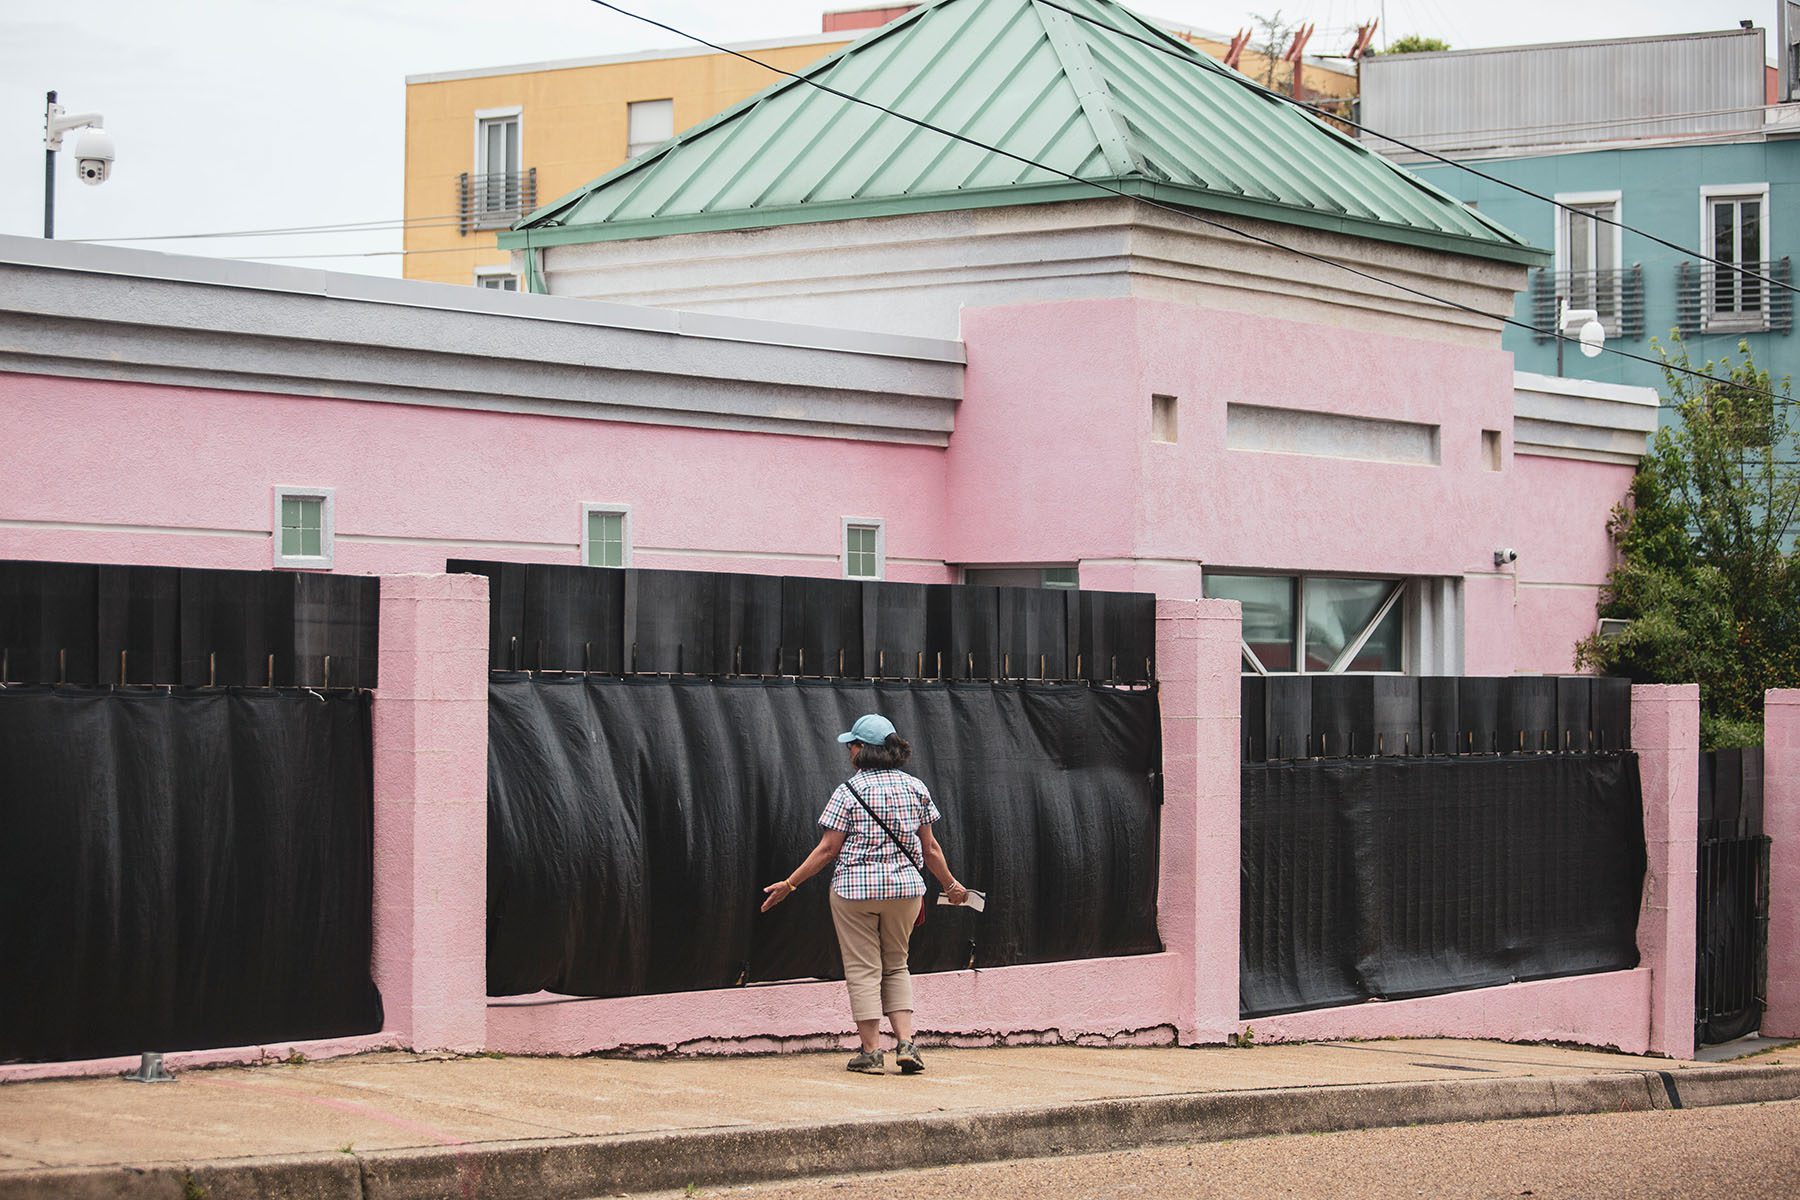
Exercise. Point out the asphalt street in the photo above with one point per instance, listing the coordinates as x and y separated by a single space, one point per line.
1745 1152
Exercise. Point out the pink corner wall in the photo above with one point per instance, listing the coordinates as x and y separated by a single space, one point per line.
1053 447
1781 821
1558 523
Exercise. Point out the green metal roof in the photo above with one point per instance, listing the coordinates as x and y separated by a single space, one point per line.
1080 96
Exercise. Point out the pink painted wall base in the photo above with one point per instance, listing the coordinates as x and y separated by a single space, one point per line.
187 1060
1610 1011
1102 1000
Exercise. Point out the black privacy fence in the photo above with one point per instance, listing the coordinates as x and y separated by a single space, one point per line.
627 622
88 623
1396 877
633 822
182 869
1378 716
1731 973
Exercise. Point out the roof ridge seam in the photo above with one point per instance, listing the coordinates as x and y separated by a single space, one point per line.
1110 129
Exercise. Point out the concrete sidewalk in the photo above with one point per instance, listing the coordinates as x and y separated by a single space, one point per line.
401 1125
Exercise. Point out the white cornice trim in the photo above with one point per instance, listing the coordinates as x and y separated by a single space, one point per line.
100 312
608 60
1557 417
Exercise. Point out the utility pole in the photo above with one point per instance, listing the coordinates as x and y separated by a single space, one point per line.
49 170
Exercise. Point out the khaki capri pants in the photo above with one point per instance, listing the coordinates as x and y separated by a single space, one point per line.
873 936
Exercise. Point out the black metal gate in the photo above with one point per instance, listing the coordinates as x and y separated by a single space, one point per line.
1733 942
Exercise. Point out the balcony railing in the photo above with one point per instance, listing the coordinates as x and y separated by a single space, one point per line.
1617 295
1714 299
494 200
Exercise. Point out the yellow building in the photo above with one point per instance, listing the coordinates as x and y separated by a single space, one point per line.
486 146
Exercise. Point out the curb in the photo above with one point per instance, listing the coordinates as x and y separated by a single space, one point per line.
573 1168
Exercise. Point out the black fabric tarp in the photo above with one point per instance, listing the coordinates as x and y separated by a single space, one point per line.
1362 716
634 822
551 617
1396 877
86 623
182 870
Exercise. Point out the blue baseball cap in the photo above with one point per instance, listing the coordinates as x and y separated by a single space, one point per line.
872 729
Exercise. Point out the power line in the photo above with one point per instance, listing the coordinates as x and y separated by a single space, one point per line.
383 225
1193 57
1189 214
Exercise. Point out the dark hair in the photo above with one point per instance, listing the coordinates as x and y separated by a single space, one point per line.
891 755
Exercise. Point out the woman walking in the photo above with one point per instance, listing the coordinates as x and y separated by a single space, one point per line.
878 829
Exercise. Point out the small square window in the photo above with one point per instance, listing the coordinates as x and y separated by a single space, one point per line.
864 551
496 279
606 535
1162 419
303 527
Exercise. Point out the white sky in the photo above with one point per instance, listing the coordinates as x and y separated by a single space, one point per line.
248 114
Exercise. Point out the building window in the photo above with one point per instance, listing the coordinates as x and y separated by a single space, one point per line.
1734 231
1317 624
1588 255
1026 577
865 549
649 123
606 535
497 190
496 279
303 527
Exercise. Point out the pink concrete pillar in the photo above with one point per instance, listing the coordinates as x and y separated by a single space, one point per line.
1781 821
430 725
1197 661
1665 732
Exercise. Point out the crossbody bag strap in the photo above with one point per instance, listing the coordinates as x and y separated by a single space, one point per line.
904 852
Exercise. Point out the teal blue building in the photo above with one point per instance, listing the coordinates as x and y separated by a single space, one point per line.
1677 137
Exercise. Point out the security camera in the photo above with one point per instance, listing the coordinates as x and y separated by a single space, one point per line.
94 157
1504 555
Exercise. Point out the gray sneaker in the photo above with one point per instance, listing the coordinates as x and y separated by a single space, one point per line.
907 1055
869 1062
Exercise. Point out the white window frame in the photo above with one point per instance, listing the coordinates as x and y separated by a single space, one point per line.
879 524
327 498
1730 322
1563 269
482 274
483 213
630 152
625 531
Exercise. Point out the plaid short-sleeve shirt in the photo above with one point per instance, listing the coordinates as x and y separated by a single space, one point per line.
871 866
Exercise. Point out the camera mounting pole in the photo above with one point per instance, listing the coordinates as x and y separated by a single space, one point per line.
56 123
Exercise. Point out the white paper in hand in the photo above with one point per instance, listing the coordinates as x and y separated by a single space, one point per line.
977 900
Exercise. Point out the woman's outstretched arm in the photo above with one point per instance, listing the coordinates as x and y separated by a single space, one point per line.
939 866
818 860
